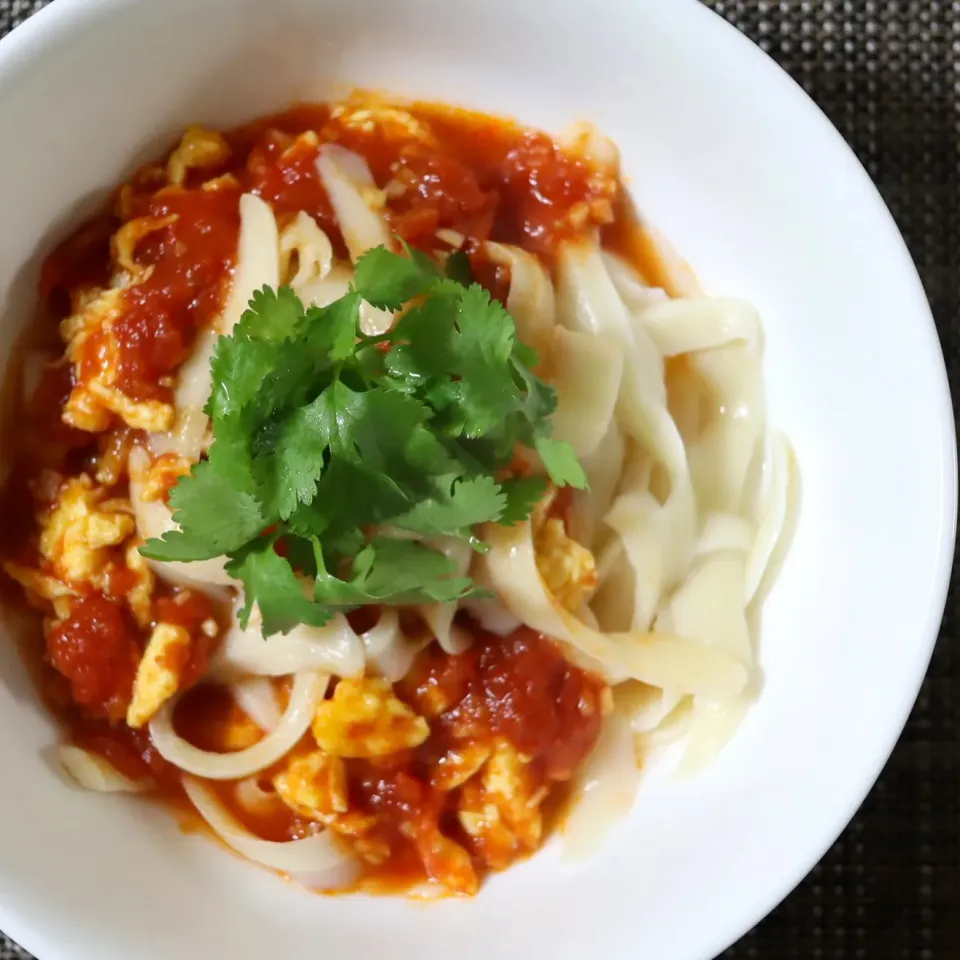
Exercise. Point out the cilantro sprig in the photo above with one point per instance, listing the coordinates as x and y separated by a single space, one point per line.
336 454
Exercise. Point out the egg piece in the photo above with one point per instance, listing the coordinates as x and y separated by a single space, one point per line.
568 569
199 148
158 674
314 785
95 354
139 595
500 810
77 532
365 719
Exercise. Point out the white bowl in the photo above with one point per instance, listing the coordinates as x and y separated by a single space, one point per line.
756 189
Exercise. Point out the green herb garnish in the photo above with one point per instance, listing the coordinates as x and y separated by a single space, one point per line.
335 453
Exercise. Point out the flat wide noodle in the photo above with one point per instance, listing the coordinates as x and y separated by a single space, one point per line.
657 659
349 184
389 652
96 773
333 648
588 301
604 789
585 370
530 300
309 687
257 698
439 616
317 861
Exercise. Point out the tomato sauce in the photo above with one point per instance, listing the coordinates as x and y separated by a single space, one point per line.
481 177
189 262
519 688
94 648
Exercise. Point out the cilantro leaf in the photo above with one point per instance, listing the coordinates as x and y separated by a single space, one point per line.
334 327
273 315
522 495
469 502
561 463
388 280
324 436
215 517
349 497
392 571
297 457
269 580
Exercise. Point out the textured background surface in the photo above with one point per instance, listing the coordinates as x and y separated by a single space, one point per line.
887 73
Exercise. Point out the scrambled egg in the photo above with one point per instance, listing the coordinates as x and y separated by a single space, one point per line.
567 568
76 534
140 596
365 719
447 862
458 765
315 785
198 149
163 474
125 241
158 675
389 121
500 810
42 587
95 399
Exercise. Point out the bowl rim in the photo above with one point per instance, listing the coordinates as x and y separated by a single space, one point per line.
55 20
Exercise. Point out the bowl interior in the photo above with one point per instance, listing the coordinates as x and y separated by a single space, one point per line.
751 184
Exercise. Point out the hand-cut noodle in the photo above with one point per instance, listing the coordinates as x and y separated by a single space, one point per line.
439 616
350 185
657 659
585 370
258 258
316 861
588 301
96 773
491 615
605 788
530 301
603 468
257 698
389 652
305 246
635 518
632 289
334 647
776 515
308 689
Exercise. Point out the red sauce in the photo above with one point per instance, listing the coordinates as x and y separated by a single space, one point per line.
94 648
520 688
479 176
190 261
284 173
525 690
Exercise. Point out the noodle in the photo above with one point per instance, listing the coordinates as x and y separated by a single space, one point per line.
307 692
614 623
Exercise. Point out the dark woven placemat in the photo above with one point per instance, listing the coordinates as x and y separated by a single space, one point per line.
887 73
